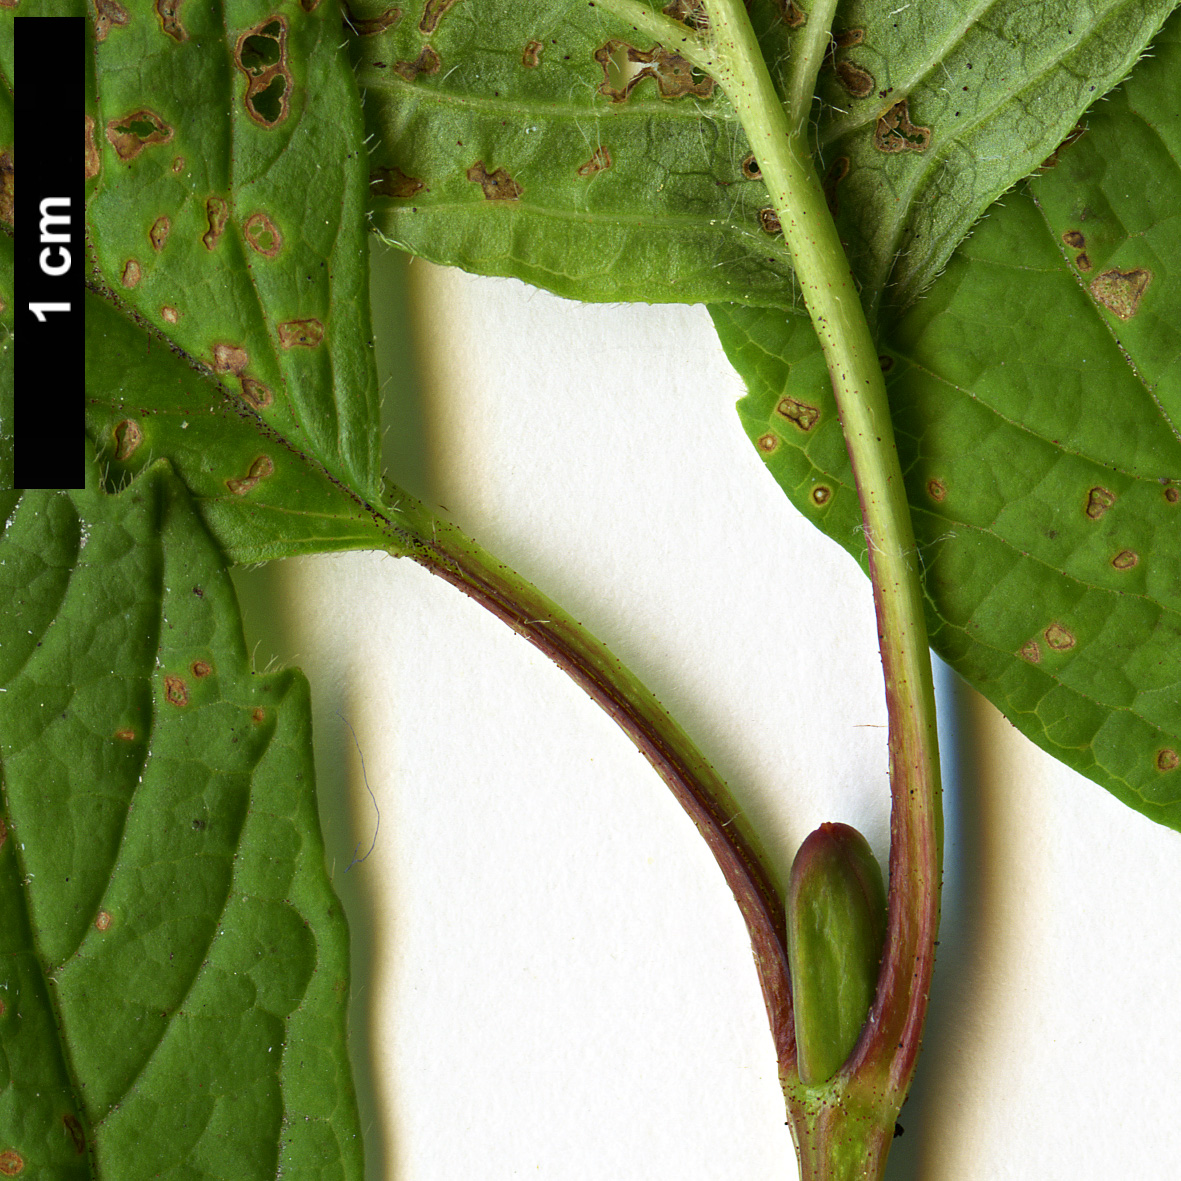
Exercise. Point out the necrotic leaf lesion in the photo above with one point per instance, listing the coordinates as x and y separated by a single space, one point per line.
625 67
497 186
132 133
896 133
261 54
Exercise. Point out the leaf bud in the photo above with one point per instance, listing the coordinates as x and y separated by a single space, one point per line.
836 929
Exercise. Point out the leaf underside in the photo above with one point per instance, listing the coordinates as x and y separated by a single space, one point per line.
1037 402
1043 499
607 191
176 963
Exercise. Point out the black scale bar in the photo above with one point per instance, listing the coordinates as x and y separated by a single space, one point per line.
50 397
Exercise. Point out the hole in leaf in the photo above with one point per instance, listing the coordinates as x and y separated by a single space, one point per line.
268 103
625 67
261 54
896 133
131 134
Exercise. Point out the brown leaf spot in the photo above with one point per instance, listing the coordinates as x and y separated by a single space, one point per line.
176 692
11 1163
1121 291
169 13
262 467
531 55
93 162
769 221
427 62
847 37
304 334
1125 559
393 182
896 133
102 920
309 5
373 25
1099 500
261 54
169 313
74 1129
262 235
1074 239
178 165
200 668
7 188
857 80
800 413
1051 161
597 163
673 73
751 169
131 273
1167 760
1082 260
885 362
768 443
217 211
1172 495
258 715
258 395
1059 637
230 358
128 436
159 232
131 134
106 14
793 15
821 495
837 171
688 12
497 186
1031 651
936 489
432 13
125 735
3 832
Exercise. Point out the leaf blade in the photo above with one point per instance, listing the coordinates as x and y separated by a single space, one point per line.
162 797
225 209
1041 460
641 197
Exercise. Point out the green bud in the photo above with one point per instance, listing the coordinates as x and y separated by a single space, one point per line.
836 928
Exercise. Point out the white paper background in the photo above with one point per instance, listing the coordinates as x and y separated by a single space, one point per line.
551 979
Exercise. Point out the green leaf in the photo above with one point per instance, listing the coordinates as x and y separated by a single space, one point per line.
176 963
456 93
497 150
1036 395
259 496
991 89
225 208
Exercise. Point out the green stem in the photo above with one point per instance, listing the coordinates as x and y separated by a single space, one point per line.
868 1091
446 551
807 56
